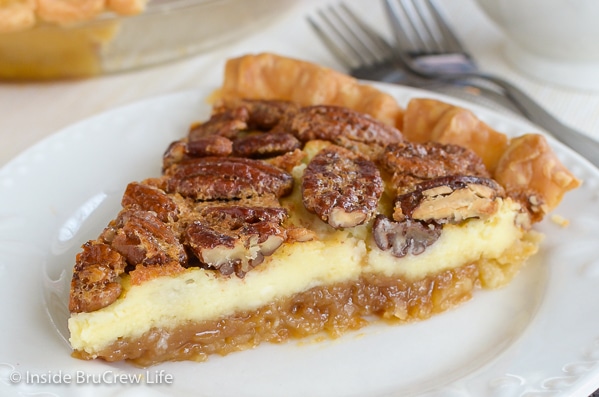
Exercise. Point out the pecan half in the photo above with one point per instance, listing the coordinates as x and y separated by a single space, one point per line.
95 278
204 146
175 153
235 238
236 216
143 239
411 163
449 199
263 115
226 123
265 145
408 237
144 197
339 125
211 145
342 188
218 178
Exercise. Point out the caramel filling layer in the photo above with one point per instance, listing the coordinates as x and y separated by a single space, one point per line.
332 310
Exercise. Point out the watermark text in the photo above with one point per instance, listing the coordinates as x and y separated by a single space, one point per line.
149 377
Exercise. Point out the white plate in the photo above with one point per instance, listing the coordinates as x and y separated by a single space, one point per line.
539 336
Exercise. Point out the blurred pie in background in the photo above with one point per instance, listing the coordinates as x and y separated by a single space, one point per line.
54 39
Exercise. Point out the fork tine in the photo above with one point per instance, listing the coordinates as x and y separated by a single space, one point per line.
411 25
356 43
407 26
452 43
369 37
427 34
421 32
403 39
337 51
421 23
350 39
344 42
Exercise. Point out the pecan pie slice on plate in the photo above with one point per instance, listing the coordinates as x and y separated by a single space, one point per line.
308 203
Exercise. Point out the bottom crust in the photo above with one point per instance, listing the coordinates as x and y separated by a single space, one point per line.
331 310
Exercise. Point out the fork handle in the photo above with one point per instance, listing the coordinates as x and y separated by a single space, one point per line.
580 142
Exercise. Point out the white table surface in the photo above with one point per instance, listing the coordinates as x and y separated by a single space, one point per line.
31 111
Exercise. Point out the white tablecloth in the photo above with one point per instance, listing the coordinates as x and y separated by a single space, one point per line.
32 111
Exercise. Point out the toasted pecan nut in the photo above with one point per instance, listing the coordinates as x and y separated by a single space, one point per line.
203 146
449 199
263 115
226 123
143 239
265 145
225 178
175 153
235 238
203 239
95 278
211 145
411 163
266 114
140 196
235 216
408 237
338 125
342 188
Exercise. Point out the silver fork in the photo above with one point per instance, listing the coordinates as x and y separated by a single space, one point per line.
430 49
369 56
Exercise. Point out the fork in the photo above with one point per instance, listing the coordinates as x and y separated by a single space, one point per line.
429 48
369 56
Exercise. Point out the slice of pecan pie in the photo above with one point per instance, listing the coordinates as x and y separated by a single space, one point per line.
304 206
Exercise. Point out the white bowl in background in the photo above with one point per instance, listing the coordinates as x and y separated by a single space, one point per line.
556 41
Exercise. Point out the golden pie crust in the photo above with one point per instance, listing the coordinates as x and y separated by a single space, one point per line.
267 76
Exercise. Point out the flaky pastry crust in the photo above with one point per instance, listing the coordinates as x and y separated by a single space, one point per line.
529 169
269 76
433 120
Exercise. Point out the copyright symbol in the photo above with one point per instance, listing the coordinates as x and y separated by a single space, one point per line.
15 377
